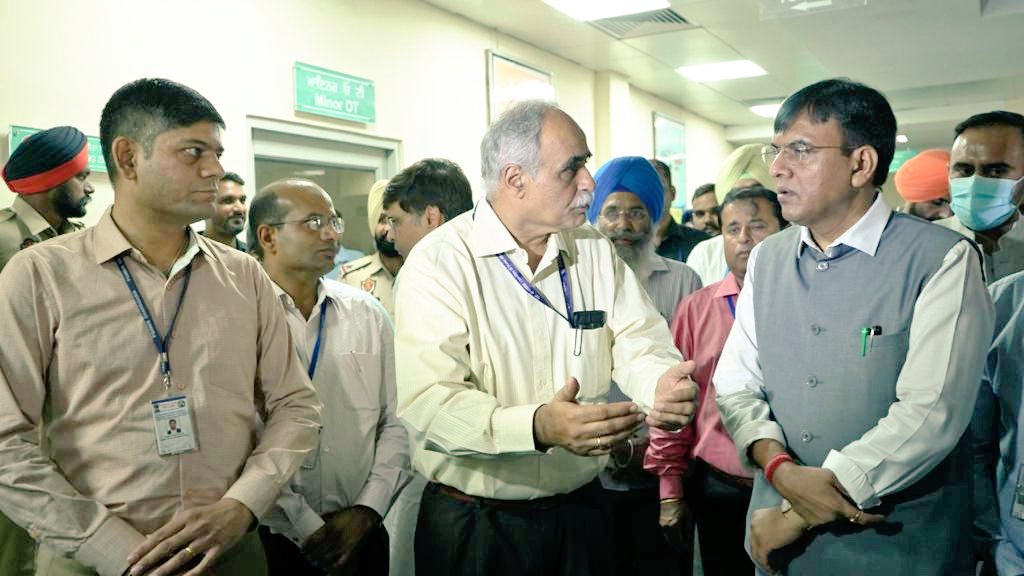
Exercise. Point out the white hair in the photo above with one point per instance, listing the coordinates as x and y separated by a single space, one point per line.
514 138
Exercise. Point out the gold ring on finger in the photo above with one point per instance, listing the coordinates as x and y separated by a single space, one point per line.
856 517
600 443
188 550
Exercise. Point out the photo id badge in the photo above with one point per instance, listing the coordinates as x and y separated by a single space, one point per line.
172 422
1018 497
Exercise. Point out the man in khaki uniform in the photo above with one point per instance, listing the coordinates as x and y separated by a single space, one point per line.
48 172
376 273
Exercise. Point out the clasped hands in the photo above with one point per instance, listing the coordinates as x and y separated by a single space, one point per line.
593 430
817 499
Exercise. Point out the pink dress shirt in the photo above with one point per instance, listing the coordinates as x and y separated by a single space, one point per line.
700 326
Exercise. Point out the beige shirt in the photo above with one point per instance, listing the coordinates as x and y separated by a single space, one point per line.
21 226
476 355
1009 255
78 361
363 456
371 276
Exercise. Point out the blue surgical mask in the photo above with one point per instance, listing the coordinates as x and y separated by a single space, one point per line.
982 203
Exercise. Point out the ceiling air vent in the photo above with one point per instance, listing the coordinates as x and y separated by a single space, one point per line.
643 24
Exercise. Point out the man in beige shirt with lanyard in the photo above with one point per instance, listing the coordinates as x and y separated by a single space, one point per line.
110 332
512 320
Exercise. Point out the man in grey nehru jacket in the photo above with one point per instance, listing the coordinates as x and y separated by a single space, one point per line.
850 374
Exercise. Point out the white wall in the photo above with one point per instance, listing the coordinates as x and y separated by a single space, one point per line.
66 57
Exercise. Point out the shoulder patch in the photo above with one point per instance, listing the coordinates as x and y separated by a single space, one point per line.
368 284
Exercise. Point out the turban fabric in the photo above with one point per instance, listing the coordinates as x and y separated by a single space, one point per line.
744 163
631 174
375 204
46 160
924 177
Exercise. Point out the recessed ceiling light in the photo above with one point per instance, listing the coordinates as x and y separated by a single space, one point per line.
766 110
902 139
721 71
586 10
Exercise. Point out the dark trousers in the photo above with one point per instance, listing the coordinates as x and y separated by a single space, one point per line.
465 536
285 559
721 511
638 546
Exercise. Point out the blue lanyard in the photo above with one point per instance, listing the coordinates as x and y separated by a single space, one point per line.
319 334
532 290
732 304
160 343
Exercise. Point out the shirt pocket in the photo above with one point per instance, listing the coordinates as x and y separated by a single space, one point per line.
229 356
361 382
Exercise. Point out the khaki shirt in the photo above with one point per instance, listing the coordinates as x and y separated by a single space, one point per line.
21 226
370 275
78 361
1009 255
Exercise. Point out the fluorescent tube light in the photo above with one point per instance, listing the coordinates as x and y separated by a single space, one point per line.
586 10
721 71
766 110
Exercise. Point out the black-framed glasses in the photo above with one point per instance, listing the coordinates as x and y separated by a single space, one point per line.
316 223
794 152
634 214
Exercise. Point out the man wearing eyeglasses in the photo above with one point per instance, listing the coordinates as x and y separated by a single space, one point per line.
628 200
421 198
852 367
329 516
512 321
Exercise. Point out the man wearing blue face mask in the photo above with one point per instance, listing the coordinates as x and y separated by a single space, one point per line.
986 184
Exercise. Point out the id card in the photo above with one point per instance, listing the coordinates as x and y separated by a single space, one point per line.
172 422
1018 497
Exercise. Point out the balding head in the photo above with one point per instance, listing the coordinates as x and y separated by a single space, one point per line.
293 219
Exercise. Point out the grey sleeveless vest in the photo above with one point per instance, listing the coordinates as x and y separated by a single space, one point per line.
827 385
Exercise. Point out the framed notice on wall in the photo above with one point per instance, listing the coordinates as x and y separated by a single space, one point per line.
670 148
509 81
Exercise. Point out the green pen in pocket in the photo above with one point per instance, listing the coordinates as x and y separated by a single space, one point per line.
864 333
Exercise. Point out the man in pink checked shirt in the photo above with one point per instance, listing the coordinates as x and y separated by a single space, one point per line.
717 486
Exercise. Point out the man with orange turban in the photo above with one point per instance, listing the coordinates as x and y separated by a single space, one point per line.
923 181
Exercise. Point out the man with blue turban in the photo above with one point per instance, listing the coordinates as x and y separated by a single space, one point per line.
628 202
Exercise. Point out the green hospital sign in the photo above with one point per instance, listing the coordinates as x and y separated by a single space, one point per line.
17 135
329 93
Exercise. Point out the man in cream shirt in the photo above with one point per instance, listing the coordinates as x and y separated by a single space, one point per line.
512 321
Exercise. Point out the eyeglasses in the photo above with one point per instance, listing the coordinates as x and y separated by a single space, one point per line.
635 214
794 153
316 223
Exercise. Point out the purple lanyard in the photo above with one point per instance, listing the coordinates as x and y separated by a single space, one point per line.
532 290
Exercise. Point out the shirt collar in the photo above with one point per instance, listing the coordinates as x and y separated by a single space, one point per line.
321 290
727 287
33 220
864 235
489 236
109 243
